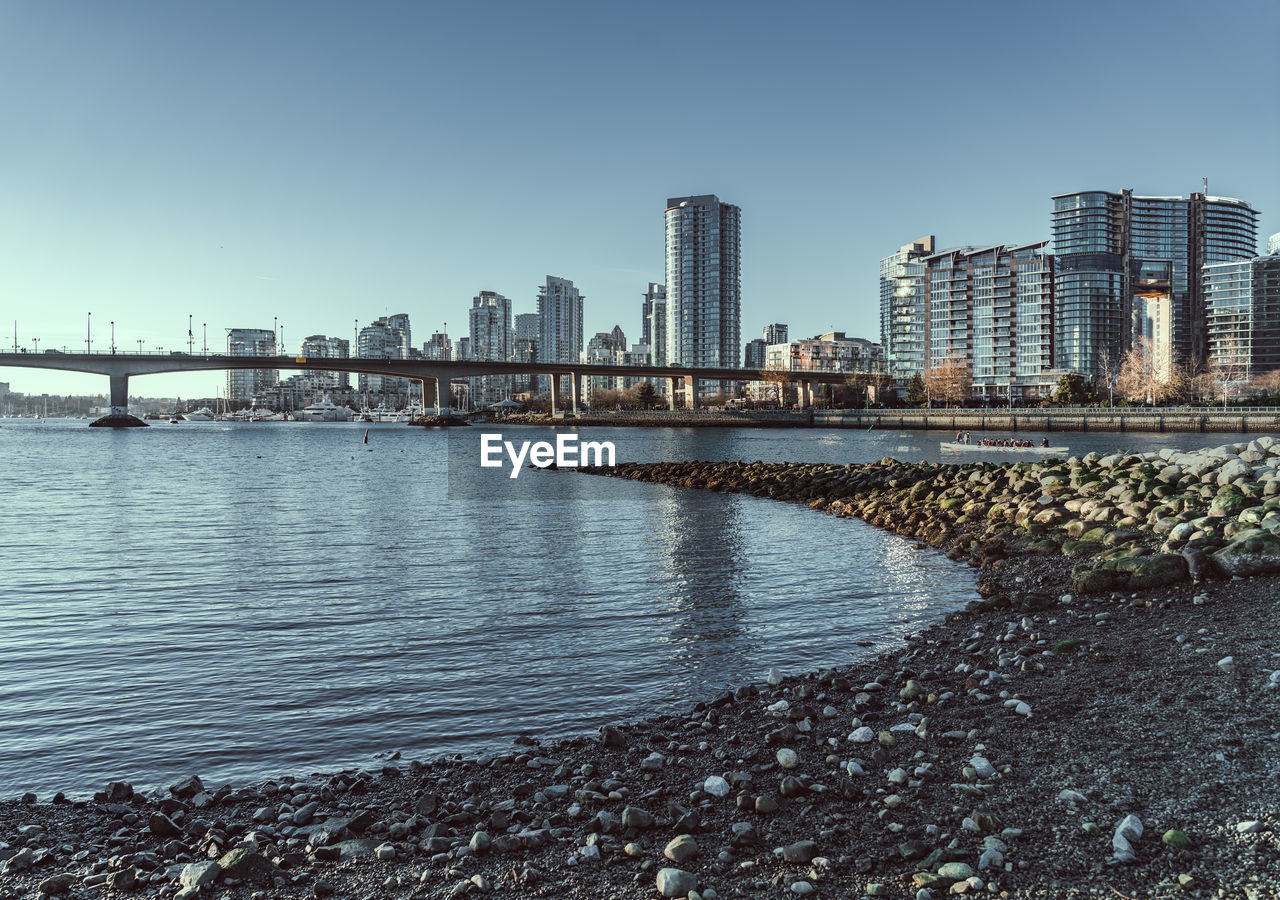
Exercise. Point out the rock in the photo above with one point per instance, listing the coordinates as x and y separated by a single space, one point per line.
744 833
480 842
680 848
1199 565
799 852
199 874
249 867
57 884
612 737
774 677
1227 664
766 804
187 787
955 871
788 758
1251 826
716 786
355 847
983 767
1176 839
123 880
1257 555
384 851
911 690
1158 571
304 814
19 862
676 882
801 887
1128 831
1069 796
634 817
118 792
163 827
863 735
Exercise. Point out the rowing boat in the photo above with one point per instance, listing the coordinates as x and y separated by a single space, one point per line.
951 445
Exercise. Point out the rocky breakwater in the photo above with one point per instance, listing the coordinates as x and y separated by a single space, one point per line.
1136 521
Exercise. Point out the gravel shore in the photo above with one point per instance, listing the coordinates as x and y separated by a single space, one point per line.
1043 742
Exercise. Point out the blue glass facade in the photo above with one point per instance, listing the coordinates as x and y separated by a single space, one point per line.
1119 255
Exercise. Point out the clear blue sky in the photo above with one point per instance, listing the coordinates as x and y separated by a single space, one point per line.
325 162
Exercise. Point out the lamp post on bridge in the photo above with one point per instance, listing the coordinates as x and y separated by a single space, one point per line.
113 337
36 341
139 346
205 326
88 335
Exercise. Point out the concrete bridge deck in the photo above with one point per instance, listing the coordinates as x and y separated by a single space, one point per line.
120 367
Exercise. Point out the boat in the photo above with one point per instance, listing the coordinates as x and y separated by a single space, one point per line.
174 420
203 414
324 411
968 448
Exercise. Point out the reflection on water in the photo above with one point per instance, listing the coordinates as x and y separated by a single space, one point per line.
268 599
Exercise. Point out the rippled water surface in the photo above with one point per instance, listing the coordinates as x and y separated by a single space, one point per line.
246 601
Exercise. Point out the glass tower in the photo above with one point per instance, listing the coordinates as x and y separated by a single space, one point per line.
704 291
1124 261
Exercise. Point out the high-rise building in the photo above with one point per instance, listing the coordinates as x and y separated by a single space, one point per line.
988 308
1242 308
1273 244
492 339
387 337
655 292
703 280
775 333
462 350
753 354
560 320
246 384
1122 259
657 328
318 346
439 348
528 331
903 306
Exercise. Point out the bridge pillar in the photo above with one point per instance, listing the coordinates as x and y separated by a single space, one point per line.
119 416
690 393
806 394
575 385
555 394
671 393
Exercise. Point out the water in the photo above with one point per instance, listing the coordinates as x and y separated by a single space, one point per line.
255 600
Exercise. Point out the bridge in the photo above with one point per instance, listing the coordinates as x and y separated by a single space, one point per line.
120 367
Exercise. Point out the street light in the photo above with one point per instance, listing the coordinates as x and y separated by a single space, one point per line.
88 335
205 326
36 341
113 337
139 345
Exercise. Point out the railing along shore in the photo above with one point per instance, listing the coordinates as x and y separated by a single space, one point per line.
1172 419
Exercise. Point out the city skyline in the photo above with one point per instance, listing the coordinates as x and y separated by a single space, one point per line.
215 162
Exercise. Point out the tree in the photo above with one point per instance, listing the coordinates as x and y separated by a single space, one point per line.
1229 367
646 395
780 379
916 393
1071 390
1141 377
951 380
1108 373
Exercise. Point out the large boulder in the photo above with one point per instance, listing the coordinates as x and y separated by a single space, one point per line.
1255 555
1158 571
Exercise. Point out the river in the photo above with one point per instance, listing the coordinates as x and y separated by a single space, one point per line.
253 600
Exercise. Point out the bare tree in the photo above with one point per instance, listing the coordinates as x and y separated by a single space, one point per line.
1229 367
1139 377
951 380
779 379
1109 372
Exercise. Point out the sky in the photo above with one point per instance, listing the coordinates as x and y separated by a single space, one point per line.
320 163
